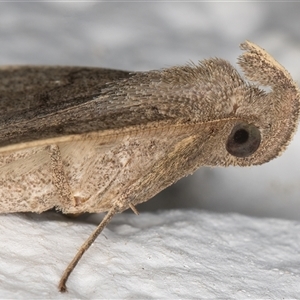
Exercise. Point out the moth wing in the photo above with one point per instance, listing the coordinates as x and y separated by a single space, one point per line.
104 162
28 87
35 102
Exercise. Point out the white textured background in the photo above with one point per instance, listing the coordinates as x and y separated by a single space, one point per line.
247 246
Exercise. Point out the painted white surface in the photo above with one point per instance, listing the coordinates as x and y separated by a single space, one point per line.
174 254
178 253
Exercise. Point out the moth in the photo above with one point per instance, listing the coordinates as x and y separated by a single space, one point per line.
99 140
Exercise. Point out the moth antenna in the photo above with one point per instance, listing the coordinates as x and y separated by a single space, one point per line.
134 209
62 283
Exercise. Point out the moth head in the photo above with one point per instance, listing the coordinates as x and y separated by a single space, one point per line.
268 120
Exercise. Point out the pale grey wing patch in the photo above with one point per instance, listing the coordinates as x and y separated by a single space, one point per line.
26 181
30 87
99 174
38 103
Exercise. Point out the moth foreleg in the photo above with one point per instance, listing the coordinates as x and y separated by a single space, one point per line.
62 283
133 208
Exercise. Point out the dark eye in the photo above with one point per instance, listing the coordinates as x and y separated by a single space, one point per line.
243 140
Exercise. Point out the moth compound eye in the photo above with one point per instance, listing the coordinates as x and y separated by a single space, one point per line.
243 140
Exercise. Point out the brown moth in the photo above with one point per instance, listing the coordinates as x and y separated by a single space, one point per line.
95 140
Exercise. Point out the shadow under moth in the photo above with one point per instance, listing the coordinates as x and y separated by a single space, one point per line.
99 140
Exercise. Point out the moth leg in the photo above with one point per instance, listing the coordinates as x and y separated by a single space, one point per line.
59 179
62 283
133 209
